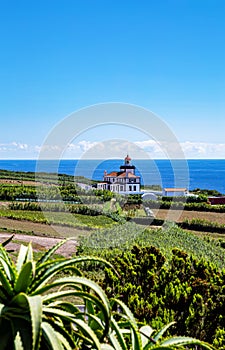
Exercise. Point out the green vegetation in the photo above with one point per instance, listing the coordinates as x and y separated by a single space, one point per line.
201 198
59 218
203 225
152 187
187 290
181 205
38 309
111 241
165 275
206 192
47 178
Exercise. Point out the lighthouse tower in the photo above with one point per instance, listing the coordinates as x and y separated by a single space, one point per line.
127 166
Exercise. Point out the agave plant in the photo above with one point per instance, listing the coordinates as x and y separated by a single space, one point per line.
38 309
34 309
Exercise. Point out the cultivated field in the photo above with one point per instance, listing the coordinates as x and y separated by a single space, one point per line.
209 216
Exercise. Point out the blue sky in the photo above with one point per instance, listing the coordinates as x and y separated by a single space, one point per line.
164 55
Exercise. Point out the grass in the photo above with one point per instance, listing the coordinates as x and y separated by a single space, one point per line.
108 241
59 218
15 231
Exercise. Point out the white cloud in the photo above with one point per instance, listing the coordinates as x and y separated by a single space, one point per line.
191 149
19 145
203 150
17 150
115 149
151 147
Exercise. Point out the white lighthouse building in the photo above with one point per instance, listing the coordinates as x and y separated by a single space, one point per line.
124 181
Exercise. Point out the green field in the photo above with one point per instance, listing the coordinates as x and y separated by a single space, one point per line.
58 218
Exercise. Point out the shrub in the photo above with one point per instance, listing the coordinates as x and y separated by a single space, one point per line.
187 290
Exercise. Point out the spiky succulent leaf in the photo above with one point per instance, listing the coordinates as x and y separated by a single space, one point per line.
64 341
67 306
116 336
162 331
51 337
88 332
135 337
6 285
136 342
80 327
2 306
10 267
21 301
6 268
146 333
94 323
100 299
57 313
45 272
76 282
125 311
115 343
4 254
7 241
35 306
18 342
31 310
21 257
25 277
46 256
29 256
185 341
86 296
66 332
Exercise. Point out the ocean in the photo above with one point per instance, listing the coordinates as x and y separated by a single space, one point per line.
198 173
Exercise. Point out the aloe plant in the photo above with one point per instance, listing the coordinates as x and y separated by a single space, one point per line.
34 309
38 311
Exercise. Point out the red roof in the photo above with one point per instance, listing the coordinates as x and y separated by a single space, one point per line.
113 173
128 175
119 174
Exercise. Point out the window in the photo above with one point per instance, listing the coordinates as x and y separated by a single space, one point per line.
134 188
130 188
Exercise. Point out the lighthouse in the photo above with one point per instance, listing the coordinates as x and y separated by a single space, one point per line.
124 181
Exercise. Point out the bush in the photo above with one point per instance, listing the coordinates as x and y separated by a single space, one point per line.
186 290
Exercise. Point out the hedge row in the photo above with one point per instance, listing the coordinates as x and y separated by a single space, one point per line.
185 206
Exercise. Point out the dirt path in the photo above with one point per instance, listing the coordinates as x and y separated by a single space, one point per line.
40 243
42 236
56 231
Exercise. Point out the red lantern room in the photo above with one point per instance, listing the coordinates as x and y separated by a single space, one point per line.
127 160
